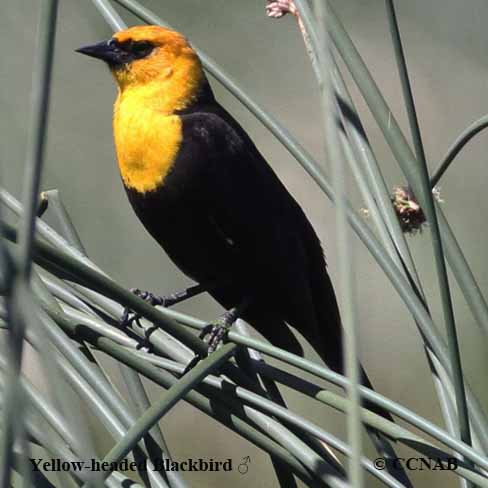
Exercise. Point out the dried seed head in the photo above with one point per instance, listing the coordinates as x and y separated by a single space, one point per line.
410 215
279 8
408 210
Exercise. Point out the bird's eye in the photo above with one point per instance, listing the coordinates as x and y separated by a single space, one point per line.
141 49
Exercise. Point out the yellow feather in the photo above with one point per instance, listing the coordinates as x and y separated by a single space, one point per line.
147 144
147 132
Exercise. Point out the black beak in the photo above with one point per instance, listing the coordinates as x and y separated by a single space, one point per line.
108 51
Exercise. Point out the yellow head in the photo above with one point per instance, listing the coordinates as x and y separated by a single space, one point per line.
155 62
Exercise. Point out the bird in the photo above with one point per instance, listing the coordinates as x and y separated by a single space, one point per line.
205 193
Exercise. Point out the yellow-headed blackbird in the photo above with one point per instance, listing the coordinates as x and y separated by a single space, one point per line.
202 189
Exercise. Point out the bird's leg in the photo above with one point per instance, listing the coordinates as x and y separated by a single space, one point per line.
217 331
165 301
177 297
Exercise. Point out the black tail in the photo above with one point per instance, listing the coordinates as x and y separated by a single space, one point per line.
326 339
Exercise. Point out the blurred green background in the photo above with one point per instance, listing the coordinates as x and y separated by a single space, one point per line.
445 42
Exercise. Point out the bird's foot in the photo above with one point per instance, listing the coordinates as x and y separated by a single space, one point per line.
218 330
164 301
128 316
214 334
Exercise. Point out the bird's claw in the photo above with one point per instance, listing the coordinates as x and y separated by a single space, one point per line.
217 331
214 334
128 316
149 297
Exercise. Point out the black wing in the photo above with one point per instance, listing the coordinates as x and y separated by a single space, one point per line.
278 257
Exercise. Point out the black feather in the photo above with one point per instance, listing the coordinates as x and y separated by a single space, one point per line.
223 216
